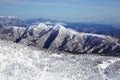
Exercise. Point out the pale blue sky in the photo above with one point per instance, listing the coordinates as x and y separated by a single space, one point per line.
100 11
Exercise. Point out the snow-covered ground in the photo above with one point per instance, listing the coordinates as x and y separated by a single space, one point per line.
18 62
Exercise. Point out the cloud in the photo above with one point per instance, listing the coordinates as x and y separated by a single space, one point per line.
32 3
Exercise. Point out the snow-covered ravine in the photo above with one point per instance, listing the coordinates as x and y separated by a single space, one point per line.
18 62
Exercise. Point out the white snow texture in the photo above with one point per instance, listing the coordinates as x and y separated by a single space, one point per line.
18 62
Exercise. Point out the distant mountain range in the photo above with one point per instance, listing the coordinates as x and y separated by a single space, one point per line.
59 35
105 29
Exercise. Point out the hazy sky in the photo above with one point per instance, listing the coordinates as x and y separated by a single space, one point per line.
101 11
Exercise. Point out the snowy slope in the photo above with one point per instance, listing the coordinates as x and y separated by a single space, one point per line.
19 62
11 32
65 39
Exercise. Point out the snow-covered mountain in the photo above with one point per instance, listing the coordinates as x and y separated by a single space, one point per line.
57 37
20 62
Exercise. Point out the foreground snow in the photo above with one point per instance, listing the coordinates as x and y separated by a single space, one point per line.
18 62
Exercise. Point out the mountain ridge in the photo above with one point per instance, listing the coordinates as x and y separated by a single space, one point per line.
57 37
